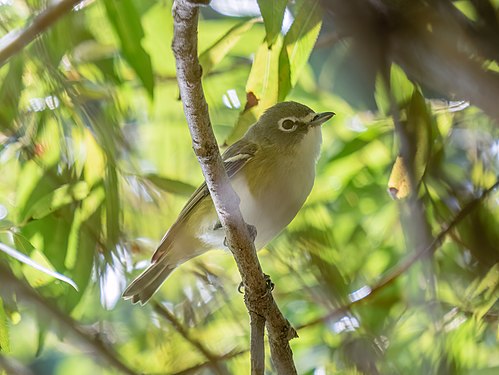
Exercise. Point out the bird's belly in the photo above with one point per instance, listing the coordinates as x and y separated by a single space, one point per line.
275 208
271 211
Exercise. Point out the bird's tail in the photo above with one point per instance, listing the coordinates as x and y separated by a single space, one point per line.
147 283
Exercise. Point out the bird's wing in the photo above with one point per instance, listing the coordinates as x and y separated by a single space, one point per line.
235 158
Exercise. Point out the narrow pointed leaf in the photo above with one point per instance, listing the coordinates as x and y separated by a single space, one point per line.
60 197
273 15
211 57
30 262
298 44
261 88
126 22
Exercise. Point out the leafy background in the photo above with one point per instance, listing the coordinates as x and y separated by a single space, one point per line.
96 163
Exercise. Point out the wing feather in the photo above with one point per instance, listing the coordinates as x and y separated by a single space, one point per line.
235 158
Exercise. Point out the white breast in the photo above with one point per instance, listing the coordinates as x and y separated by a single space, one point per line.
284 194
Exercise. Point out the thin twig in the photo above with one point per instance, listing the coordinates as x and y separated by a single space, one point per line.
11 283
16 40
213 359
407 263
257 297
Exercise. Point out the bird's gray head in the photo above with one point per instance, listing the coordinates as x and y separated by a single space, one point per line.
287 123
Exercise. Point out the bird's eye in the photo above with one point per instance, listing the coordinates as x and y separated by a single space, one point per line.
287 125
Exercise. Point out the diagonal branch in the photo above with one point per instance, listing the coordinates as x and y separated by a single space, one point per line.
367 292
16 40
213 359
257 298
10 283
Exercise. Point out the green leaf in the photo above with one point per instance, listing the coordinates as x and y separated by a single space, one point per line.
419 130
273 14
357 143
82 245
211 57
89 207
298 44
126 22
261 88
401 87
34 263
4 330
10 91
169 185
112 203
60 197
5 224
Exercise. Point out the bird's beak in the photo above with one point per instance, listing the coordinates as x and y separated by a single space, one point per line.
321 118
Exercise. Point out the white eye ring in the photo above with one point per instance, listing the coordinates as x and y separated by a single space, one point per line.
283 123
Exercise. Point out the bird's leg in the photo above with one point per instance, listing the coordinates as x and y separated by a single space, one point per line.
268 284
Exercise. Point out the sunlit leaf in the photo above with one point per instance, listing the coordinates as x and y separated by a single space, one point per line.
401 89
33 263
60 197
112 203
261 88
419 134
89 207
298 44
125 19
212 56
273 15
95 162
10 90
4 330
358 143
399 185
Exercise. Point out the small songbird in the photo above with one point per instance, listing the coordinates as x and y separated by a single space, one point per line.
272 170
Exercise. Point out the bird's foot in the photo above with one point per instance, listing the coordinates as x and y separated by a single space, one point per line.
268 284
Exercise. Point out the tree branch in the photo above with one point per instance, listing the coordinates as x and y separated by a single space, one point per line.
16 40
213 359
257 298
10 283
399 269
257 345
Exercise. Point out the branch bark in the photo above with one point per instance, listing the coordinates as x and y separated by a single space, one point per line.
16 40
257 298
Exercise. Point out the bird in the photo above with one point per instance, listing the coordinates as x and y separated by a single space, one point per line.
271 169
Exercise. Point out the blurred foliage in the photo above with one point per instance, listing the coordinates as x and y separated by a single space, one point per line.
96 163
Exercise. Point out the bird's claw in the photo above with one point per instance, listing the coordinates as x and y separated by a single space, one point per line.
268 284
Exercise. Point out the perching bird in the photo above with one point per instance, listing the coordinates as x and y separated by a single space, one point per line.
272 170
